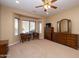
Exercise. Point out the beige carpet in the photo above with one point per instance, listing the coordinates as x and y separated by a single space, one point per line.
41 49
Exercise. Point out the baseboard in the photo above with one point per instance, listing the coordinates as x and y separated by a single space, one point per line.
14 43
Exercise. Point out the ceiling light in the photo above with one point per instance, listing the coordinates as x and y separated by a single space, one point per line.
46 6
17 2
49 7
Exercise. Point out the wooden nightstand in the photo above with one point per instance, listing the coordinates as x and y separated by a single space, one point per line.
3 48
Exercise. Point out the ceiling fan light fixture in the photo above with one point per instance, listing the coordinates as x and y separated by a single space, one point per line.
49 7
46 6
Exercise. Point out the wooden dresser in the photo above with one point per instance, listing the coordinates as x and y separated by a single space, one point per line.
70 40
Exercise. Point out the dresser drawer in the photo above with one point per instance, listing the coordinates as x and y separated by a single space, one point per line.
72 42
67 39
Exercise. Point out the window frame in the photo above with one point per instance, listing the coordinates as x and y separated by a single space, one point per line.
22 24
29 23
35 24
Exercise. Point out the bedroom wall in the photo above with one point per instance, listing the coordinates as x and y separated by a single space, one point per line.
72 14
7 16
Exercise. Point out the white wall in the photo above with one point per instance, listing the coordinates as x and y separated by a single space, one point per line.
7 23
72 14
0 21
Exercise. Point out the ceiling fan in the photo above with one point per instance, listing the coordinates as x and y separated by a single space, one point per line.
47 4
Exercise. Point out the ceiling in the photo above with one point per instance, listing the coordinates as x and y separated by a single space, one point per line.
29 6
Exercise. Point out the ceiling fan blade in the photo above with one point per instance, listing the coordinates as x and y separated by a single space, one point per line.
43 0
53 1
39 6
54 7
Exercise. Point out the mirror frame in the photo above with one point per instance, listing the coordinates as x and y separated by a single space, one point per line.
68 25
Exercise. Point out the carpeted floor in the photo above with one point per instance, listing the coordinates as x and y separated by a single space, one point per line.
41 49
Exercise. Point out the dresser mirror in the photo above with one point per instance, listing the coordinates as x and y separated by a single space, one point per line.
64 26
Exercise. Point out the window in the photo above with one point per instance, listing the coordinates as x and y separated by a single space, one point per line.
32 26
16 26
25 26
40 27
28 26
